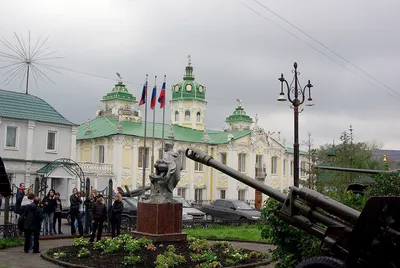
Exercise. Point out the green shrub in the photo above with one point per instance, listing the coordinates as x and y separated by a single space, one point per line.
83 253
58 255
80 242
131 260
10 242
169 259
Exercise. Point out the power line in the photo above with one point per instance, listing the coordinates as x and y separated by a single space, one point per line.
316 49
323 45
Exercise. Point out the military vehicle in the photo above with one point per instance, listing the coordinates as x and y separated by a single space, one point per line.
349 238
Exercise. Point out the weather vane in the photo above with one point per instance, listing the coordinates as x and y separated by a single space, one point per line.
189 61
119 77
239 102
25 59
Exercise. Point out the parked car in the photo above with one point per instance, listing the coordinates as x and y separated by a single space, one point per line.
227 209
189 212
129 214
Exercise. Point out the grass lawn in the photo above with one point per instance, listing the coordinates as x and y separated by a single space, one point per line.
10 242
243 232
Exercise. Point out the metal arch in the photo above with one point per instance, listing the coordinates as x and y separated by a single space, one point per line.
68 163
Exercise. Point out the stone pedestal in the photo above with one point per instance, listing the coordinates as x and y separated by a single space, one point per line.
160 222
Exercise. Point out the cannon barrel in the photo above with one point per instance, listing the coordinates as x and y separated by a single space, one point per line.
357 170
346 213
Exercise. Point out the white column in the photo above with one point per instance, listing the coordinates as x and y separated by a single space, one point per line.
93 159
232 158
29 140
282 177
74 132
78 153
106 150
135 152
117 159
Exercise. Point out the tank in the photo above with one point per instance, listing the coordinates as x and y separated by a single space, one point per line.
349 238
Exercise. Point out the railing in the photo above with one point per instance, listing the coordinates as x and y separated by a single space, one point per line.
8 230
96 168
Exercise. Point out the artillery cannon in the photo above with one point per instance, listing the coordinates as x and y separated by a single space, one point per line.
348 238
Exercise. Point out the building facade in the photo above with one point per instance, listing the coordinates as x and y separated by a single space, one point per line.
33 135
115 138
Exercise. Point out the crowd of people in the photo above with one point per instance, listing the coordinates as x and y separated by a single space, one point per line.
37 215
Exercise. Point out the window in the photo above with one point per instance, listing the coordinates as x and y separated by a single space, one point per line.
198 166
182 192
51 140
101 154
284 166
198 194
183 159
242 162
160 153
11 137
274 165
303 169
242 195
223 158
219 203
198 117
141 154
259 166
176 116
222 194
291 168
187 116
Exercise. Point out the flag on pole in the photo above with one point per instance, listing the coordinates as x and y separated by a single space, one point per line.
161 99
153 97
143 99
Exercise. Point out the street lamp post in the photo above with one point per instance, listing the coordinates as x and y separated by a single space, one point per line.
296 96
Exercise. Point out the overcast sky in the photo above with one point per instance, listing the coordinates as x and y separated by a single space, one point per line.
235 52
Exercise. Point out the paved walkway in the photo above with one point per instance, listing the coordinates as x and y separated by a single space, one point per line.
17 258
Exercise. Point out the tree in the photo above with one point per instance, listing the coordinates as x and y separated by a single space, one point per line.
312 160
347 154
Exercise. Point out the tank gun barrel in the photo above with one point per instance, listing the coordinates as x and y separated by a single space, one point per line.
357 170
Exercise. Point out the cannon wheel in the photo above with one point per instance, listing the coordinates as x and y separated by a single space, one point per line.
320 262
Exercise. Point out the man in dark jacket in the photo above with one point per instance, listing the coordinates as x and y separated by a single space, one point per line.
75 202
99 217
116 215
20 196
33 216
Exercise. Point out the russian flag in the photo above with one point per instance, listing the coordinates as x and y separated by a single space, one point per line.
153 97
161 99
143 99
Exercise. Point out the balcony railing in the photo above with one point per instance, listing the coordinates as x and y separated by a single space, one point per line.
261 172
96 168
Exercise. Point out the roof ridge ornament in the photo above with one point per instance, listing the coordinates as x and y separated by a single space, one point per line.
171 131
89 129
189 60
119 77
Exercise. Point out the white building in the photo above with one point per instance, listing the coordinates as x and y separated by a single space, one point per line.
33 135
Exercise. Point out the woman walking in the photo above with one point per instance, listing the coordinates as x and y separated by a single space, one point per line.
116 215
75 202
99 217
90 203
49 207
57 214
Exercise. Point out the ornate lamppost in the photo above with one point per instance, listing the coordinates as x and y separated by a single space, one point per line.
296 96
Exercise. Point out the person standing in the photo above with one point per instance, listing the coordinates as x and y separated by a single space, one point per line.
33 220
57 214
75 202
20 196
90 203
49 207
28 200
99 217
116 215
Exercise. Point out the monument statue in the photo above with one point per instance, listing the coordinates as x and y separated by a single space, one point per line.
167 176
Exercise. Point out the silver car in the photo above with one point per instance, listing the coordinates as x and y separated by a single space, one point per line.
189 212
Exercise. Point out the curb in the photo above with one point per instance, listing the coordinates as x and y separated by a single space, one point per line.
68 264
67 237
236 240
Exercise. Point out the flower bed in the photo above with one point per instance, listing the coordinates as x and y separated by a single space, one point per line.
126 251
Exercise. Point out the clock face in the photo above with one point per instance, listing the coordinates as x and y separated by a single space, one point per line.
176 88
200 89
188 87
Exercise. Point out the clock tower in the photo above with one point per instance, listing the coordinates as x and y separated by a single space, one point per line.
188 103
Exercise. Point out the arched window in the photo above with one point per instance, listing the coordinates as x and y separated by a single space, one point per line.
198 117
176 116
187 116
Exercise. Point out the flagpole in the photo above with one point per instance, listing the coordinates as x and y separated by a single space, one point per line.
144 141
163 121
154 124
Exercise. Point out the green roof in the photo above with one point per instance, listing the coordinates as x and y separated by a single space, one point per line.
239 115
119 92
104 127
28 107
290 150
188 89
